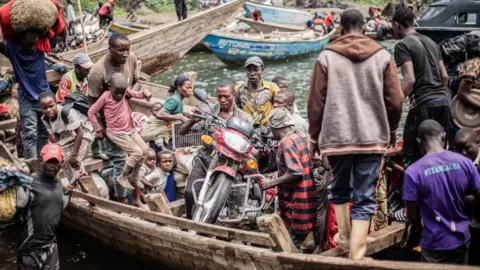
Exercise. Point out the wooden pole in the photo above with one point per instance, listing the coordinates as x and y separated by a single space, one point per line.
83 27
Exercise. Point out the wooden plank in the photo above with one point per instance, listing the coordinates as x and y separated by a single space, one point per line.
273 225
5 154
88 186
158 203
178 207
8 124
209 229
53 77
379 240
91 164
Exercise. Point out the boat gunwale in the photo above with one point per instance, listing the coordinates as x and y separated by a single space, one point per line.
292 27
233 36
280 8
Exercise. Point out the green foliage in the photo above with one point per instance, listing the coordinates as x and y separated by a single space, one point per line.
168 5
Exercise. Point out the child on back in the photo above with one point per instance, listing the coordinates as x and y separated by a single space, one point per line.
153 178
121 130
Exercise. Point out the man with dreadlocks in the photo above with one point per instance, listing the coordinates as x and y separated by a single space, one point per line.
424 81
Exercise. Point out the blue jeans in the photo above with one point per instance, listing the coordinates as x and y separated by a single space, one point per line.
117 157
364 171
34 132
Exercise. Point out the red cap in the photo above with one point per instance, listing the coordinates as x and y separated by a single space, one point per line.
50 151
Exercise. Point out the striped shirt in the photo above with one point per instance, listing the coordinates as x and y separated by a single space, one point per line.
297 200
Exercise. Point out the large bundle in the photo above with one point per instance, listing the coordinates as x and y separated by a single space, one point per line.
461 48
33 14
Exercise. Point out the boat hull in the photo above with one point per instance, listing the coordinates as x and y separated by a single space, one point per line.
266 27
438 34
235 50
123 29
278 15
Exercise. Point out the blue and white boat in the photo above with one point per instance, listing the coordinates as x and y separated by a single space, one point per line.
236 48
278 15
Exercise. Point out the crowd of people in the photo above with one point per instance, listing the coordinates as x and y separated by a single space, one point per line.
354 109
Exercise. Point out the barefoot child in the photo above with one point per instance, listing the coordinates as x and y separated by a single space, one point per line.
121 129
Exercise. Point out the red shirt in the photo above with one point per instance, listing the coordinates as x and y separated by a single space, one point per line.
105 9
329 20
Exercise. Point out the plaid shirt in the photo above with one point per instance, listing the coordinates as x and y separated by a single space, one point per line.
297 200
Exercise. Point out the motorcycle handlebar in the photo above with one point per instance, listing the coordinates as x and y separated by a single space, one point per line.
196 115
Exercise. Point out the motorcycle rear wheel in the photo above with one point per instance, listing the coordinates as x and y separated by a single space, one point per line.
222 183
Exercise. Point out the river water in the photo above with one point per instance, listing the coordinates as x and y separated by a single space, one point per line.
80 252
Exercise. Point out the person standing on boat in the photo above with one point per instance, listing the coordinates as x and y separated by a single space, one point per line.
29 68
353 126
255 96
437 185
106 13
425 82
75 80
226 109
297 193
181 9
119 59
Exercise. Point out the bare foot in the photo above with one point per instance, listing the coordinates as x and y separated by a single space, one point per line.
125 184
340 241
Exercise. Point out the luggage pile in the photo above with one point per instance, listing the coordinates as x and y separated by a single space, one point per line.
93 32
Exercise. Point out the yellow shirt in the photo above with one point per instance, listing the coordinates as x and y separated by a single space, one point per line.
257 104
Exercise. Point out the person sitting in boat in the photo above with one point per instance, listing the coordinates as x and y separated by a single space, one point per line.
468 72
226 108
255 96
157 132
163 116
75 135
119 59
155 179
281 82
286 99
257 15
297 192
354 145
435 188
466 143
121 130
329 20
76 79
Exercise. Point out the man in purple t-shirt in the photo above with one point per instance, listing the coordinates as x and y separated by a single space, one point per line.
437 184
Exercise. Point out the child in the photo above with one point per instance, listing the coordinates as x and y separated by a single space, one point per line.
165 162
121 129
153 178
75 136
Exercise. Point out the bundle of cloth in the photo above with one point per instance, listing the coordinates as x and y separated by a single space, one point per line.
45 16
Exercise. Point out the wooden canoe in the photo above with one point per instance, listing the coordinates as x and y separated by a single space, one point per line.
163 238
161 46
278 14
268 27
127 28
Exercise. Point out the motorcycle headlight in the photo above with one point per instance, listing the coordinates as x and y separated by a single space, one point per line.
236 142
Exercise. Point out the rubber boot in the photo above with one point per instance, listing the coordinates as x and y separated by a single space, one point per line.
358 239
342 212
179 15
184 14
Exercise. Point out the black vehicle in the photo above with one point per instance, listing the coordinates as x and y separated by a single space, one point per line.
449 18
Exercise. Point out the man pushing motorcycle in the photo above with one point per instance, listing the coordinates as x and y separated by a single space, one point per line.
225 109
295 184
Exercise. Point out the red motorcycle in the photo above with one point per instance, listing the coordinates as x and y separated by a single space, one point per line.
231 191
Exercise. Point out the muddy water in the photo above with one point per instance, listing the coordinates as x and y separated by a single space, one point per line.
80 252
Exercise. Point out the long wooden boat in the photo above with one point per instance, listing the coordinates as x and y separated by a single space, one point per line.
268 27
273 14
161 46
164 238
236 48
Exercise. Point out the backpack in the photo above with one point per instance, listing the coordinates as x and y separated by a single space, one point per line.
461 48
77 101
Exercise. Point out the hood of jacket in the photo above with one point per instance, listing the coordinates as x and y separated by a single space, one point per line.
356 47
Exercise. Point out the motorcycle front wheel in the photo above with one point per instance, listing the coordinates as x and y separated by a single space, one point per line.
215 199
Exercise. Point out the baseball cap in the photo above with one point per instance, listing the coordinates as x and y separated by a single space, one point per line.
83 60
280 118
52 151
254 60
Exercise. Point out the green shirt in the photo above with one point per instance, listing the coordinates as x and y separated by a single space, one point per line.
173 104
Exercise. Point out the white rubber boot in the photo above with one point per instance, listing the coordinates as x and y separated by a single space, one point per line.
358 239
342 212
